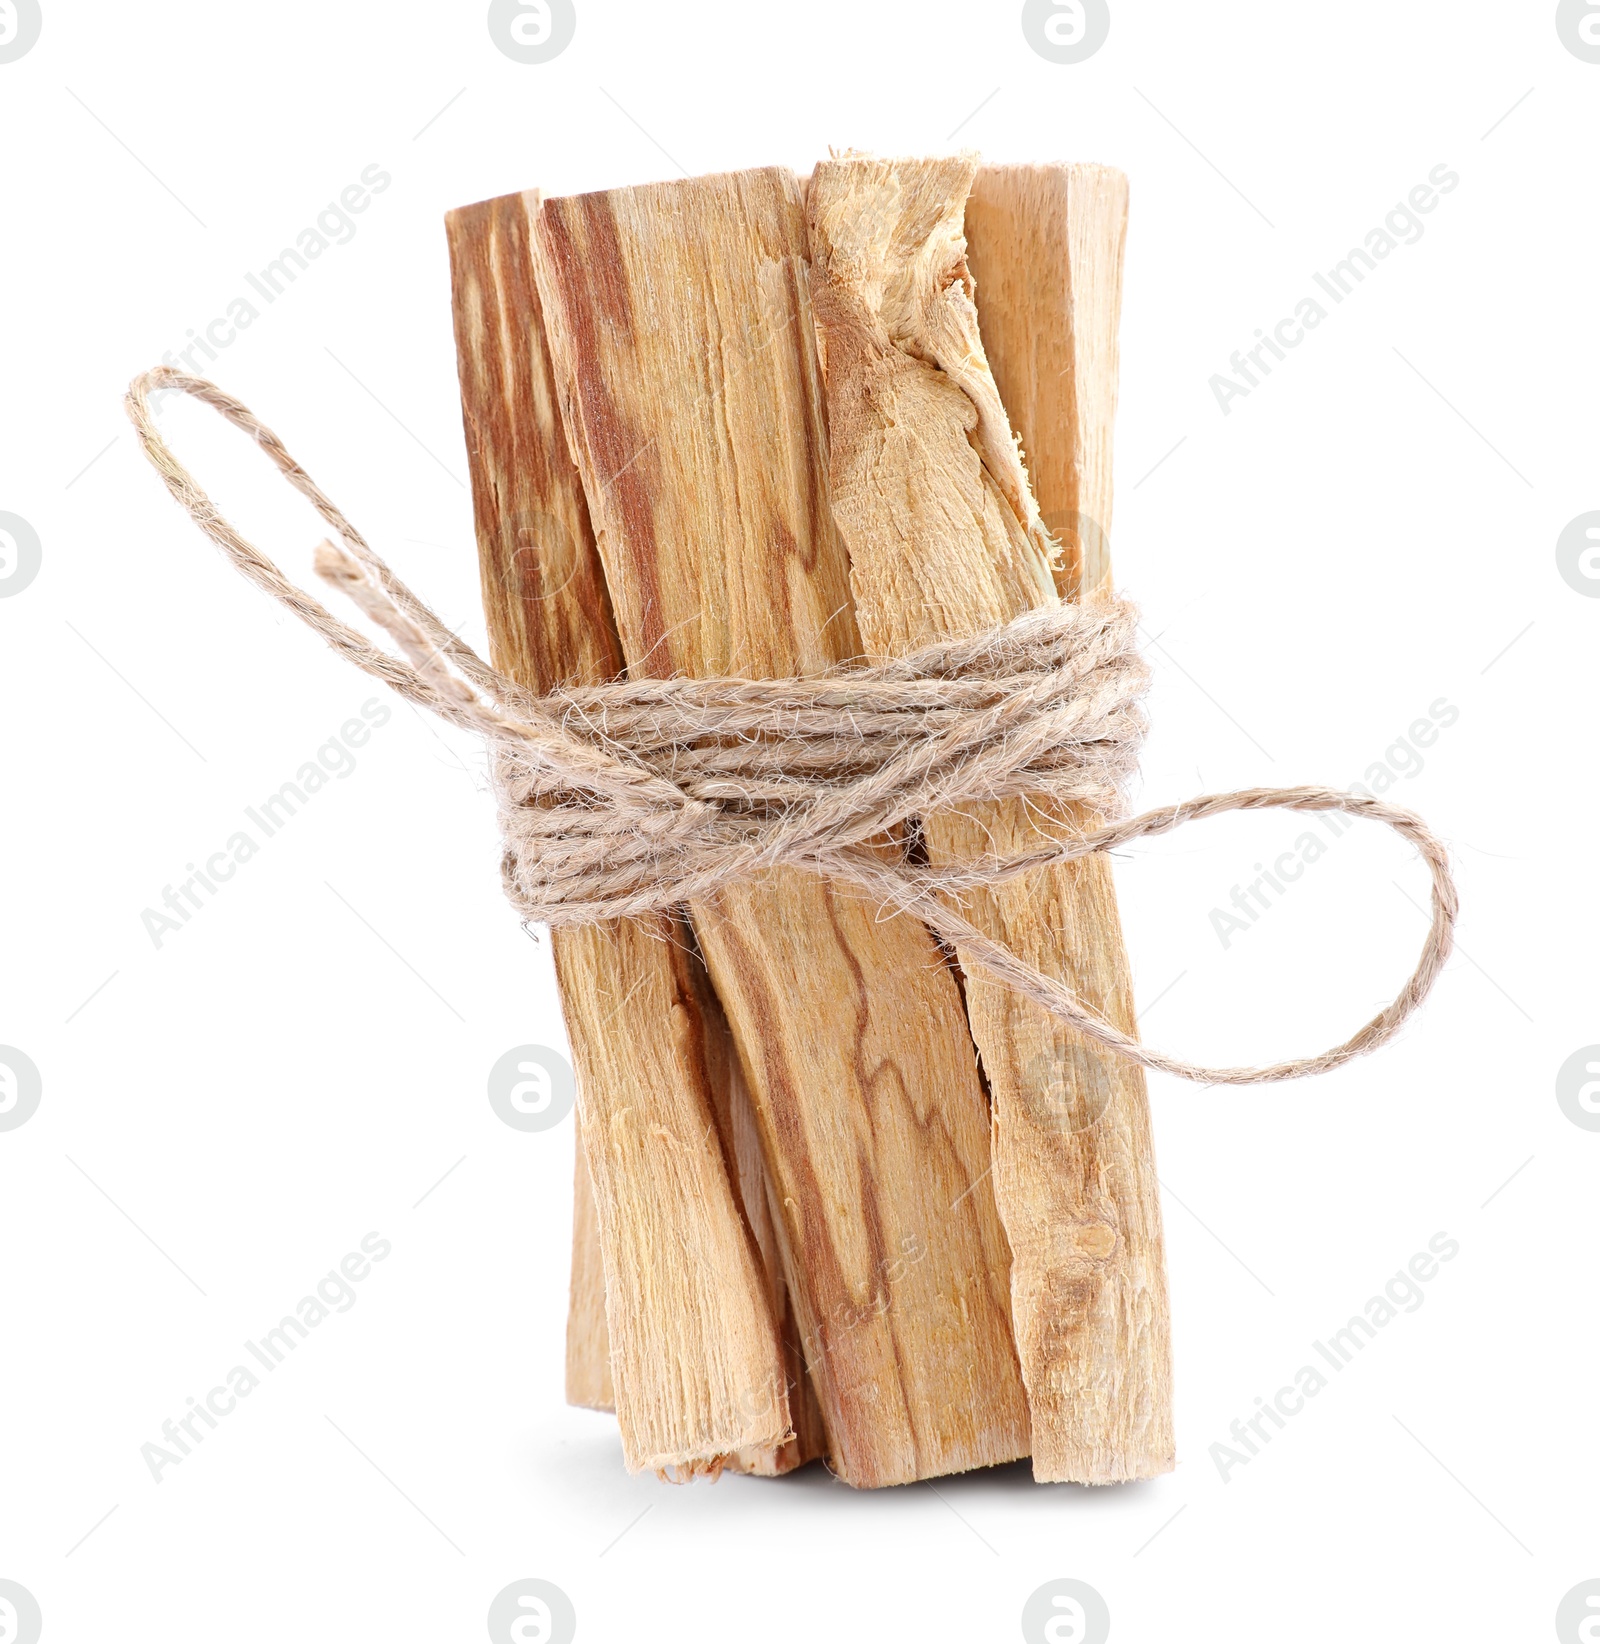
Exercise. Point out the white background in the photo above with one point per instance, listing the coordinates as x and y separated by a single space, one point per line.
227 1116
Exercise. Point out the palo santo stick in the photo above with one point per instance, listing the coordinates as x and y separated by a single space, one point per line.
695 1355
588 1340
945 540
1044 246
741 1146
685 350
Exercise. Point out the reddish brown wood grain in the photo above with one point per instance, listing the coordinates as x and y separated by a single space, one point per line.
685 351
697 1365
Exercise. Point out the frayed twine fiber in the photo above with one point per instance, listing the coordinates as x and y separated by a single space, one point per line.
629 799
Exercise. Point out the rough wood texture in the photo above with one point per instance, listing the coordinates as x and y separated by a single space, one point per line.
945 539
686 358
695 1355
588 1340
741 1147
1044 245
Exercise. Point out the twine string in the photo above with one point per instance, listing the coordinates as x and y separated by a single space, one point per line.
635 797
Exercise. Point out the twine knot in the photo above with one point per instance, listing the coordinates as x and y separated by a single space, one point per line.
634 797
713 781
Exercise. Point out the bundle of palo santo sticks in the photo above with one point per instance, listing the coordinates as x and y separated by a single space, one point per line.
836 1195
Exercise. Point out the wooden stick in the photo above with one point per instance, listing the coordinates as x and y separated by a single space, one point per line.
694 1350
679 318
741 1146
1044 246
588 1340
945 539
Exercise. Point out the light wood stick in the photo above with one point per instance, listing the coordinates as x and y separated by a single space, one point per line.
945 539
694 1350
686 356
588 1340
741 1146
1044 246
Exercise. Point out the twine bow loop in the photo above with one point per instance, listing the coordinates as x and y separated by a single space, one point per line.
635 797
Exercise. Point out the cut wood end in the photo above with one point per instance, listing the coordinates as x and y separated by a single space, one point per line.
1102 1470
464 216
672 191
1081 171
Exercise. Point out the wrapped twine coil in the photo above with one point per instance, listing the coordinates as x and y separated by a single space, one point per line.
629 799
